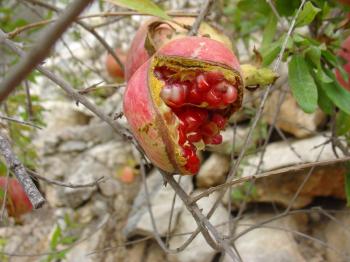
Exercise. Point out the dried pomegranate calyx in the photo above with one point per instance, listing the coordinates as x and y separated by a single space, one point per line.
193 99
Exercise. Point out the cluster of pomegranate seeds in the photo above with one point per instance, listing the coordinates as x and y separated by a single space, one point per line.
184 93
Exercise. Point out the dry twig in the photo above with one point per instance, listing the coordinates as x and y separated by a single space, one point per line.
20 172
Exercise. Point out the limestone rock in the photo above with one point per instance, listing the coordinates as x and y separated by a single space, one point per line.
338 238
291 117
161 198
213 171
269 243
324 181
198 250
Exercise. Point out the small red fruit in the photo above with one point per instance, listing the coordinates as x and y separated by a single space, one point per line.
345 54
180 100
113 68
127 175
17 202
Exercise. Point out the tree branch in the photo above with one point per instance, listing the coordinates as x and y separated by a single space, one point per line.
203 12
42 49
20 172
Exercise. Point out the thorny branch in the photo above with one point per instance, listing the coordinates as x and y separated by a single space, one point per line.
20 172
42 49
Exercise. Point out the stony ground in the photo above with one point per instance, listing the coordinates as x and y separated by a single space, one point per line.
111 222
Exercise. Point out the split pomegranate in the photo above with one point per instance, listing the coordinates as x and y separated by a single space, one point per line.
155 33
180 99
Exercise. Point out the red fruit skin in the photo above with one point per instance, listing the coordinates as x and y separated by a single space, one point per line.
146 123
201 48
17 201
137 54
113 68
345 53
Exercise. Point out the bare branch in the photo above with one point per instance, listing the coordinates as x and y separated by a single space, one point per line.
20 172
70 185
279 171
42 49
203 12
20 122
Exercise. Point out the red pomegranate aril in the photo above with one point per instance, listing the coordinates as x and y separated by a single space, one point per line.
209 129
214 77
219 120
194 137
213 97
163 73
174 95
194 96
202 84
182 135
230 95
216 140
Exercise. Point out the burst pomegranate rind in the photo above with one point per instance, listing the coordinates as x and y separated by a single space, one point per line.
153 122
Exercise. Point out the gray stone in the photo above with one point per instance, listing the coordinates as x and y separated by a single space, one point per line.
161 198
338 237
232 140
213 171
198 250
110 187
269 242
72 146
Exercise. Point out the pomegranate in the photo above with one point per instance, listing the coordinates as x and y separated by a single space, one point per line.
17 202
113 68
181 98
154 33
345 54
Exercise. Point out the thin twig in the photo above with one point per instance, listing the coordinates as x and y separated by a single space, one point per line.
29 105
70 185
202 14
4 198
20 122
97 86
42 49
20 172
279 171
86 27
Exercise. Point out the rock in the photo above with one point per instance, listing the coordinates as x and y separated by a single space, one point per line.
82 170
324 181
110 187
155 253
231 140
198 250
161 198
213 171
291 117
112 153
269 242
136 252
338 237
72 146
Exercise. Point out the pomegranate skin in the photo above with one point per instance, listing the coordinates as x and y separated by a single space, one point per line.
345 54
149 117
17 201
138 54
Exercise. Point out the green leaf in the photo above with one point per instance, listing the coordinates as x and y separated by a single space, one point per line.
307 15
347 183
342 123
302 84
269 31
313 53
287 7
270 53
339 95
324 102
142 6
57 233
